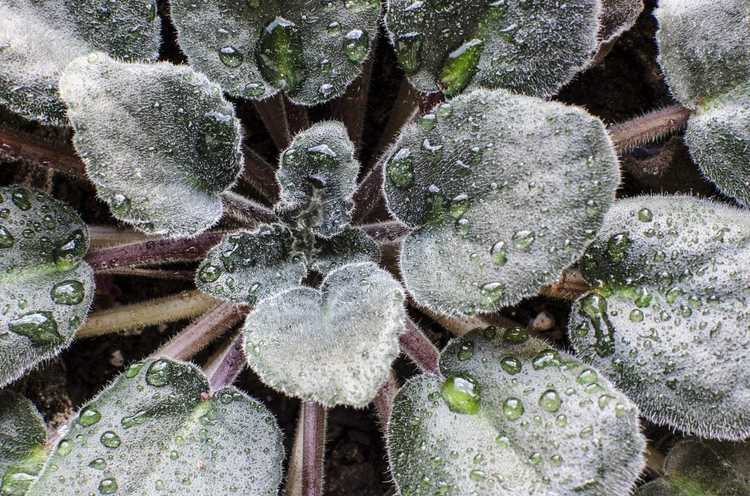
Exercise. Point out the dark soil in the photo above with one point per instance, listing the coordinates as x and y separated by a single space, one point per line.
627 83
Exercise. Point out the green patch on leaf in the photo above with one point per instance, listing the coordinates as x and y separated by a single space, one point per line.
668 320
547 424
312 51
527 46
38 38
504 191
159 141
47 289
156 429
335 345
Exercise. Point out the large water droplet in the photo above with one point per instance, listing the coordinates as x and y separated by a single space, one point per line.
400 169
159 373
110 440
409 51
67 293
550 401
523 240
511 365
6 238
69 252
21 199
39 327
356 45
513 408
108 486
89 416
499 253
645 215
279 55
461 394
460 67
230 56
209 273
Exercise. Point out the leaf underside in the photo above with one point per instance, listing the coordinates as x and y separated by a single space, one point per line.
527 46
38 38
512 417
335 345
496 215
668 321
47 289
310 50
159 141
22 436
155 430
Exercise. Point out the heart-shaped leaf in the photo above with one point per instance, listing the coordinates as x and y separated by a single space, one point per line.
309 50
512 416
250 266
704 468
159 141
46 290
38 38
718 135
318 175
527 46
668 321
334 345
156 430
704 47
22 437
505 192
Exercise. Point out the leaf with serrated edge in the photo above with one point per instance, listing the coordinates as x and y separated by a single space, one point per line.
617 17
156 430
334 345
247 267
47 289
22 438
348 247
318 174
159 141
38 38
718 136
704 468
497 214
527 46
668 321
704 47
254 49
538 422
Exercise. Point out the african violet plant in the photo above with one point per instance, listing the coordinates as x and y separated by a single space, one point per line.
489 195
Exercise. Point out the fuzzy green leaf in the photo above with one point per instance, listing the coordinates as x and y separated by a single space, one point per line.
22 438
250 266
668 322
156 430
718 135
38 38
704 468
334 345
497 214
309 50
511 416
46 288
704 47
318 175
527 46
159 141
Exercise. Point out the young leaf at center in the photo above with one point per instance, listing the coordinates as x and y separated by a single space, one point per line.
46 289
504 191
158 430
334 345
668 319
159 141
511 416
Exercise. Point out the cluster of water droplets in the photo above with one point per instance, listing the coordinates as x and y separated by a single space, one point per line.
255 49
512 416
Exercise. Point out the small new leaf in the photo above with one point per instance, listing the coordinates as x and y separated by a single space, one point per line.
351 246
38 38
159 141
247 267
334 345
318 174
23 434
497 215
514 417
47 289
705 468
157 430
704 47
718 135
309 50
669 317
527 46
